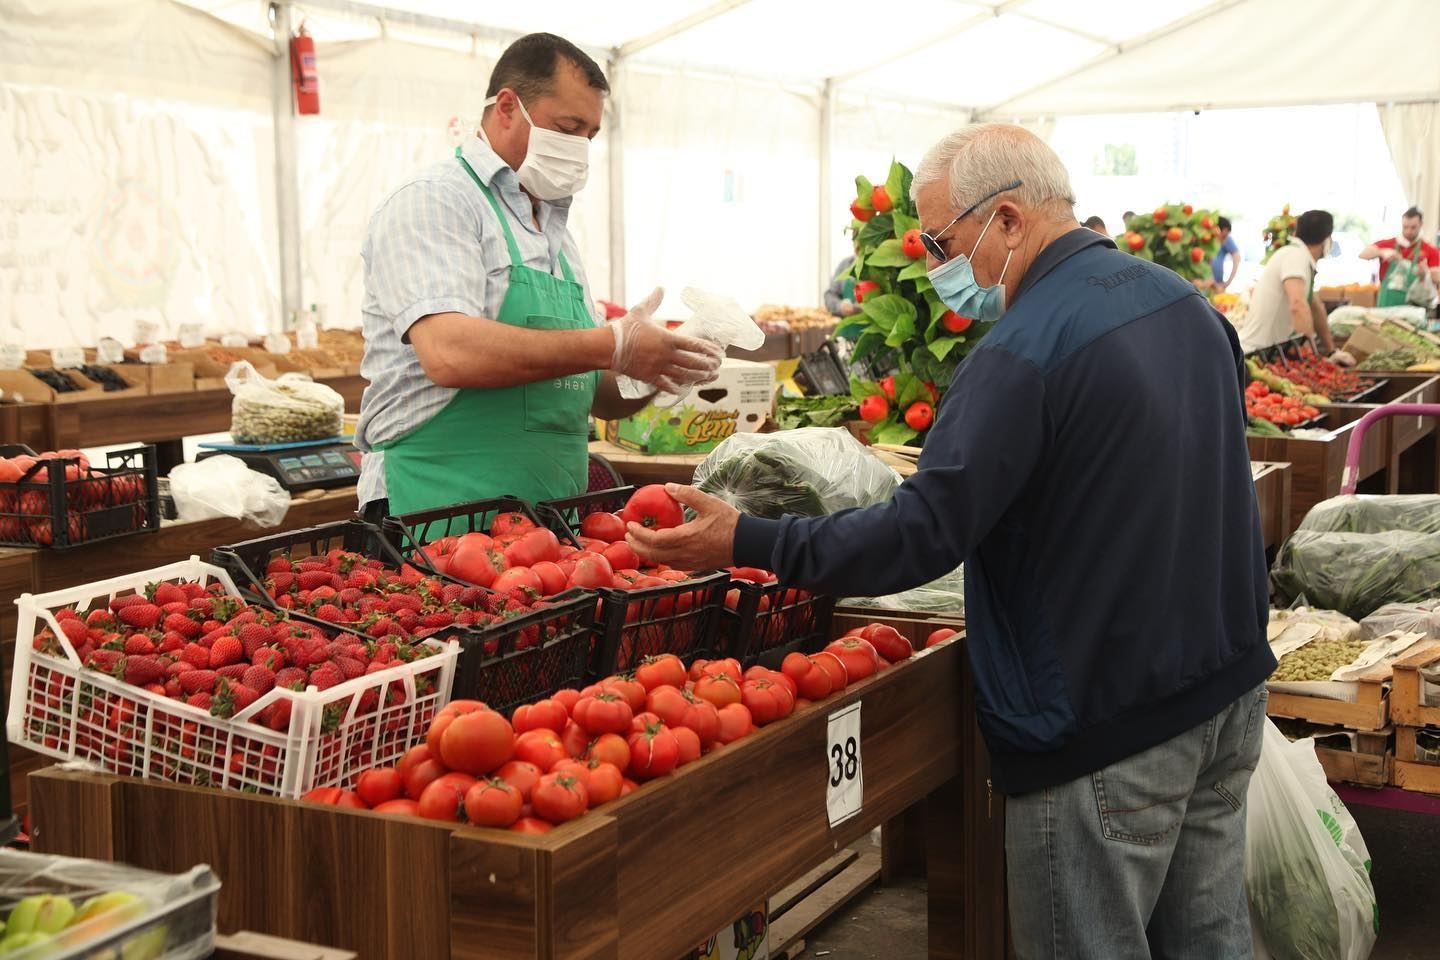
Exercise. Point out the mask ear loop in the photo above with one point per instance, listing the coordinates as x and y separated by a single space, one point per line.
1004 268
983 231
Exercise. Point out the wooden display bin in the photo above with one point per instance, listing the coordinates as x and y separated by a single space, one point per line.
1317 465
914 625
612 884
1369 712
1407 706
1410 772
150 379
1368 765
777 346
25 384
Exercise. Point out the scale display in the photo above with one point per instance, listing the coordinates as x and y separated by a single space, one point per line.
298 466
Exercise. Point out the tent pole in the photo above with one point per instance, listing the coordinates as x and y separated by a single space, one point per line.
615 140
827 143
287 181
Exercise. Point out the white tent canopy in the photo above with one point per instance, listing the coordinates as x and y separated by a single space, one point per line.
156 170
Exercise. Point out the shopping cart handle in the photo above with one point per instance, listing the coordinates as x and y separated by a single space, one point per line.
1351 476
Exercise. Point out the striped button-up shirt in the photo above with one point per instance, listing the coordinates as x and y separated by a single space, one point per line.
436 246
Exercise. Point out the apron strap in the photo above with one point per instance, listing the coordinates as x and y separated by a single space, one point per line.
515 259
565 268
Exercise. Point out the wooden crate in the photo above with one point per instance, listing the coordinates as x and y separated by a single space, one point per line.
1409 772
607 885
1368 765
1406 705
1370 711
914 625
1272 492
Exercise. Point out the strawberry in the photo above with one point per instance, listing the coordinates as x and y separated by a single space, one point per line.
252 637
129 600
451 593
331 613
101 619
75 631
243 695
234 671
440 618
173 688
226 651
203 606
183 625
196 655
231 698
163 593
172 642
327 675
312 579
201 700
404 601
268 658
105 660
280 583
138 644
180 666
198 681
143 615
258 678
369 700
279 565
382 627
66 613
289 677
144 670
277 715
376 666
350 667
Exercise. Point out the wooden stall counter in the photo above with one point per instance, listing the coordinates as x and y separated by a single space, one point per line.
639 468
1272 490
646 877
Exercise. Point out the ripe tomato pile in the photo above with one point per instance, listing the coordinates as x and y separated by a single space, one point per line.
1261 402
1318 375
580 749
211 651
25 514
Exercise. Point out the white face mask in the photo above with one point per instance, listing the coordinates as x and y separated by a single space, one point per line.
556 164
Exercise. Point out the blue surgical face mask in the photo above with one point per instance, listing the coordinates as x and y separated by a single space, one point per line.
957 288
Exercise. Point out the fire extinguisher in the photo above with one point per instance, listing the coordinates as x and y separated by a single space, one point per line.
304 74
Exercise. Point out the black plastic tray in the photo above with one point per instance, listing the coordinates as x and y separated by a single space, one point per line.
752 635
565 515
59 512
683 619
408 533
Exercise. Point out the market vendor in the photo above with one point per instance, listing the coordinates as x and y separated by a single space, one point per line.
1089 467
1401 260
482 349
1284 302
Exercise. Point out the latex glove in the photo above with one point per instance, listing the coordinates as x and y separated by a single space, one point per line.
647 352
1342 358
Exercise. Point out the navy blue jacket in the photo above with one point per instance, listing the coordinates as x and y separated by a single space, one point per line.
1088 465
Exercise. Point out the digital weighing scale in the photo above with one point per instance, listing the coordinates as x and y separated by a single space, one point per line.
311 465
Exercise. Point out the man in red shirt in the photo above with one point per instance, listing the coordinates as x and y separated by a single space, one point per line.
1403 251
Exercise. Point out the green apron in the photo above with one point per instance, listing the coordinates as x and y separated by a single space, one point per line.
529 440
1399 277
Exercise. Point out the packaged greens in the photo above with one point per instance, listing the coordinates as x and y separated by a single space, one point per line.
810 472
1357 573
1422 617
945 595
1416 513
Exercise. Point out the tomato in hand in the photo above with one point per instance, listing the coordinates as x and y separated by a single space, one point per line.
650 506
493 803
559 798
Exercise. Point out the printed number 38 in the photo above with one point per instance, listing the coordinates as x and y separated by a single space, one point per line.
846 761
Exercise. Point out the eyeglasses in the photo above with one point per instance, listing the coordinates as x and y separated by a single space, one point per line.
932 243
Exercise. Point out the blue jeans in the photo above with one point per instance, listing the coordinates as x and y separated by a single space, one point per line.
1143 859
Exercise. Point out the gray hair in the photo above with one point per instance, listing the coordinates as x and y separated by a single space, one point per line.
977 159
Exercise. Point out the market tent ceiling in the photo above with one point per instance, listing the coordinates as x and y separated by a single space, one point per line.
1001 58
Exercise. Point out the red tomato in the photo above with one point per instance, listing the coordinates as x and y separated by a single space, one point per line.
592 571
402 807
627 687
874 408
938 636
531 825
477 743
835 667
651 506
572 767
519 578
444 799
621 556
919 415
720 689
566 698
603 526
681 708
544 714
493 803
575 739
522 775
954 323
559 798
735 722
659 671
858 656
352 800
811 682
689 743
543 748
476 561
325 796
887 641
609 748
729 667
767 700
603 713
605 783
553 579
510 524
421 775
412 757
653 752
534 547
380 785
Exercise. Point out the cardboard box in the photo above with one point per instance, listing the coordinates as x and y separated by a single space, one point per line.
1364 341
156 378
739 401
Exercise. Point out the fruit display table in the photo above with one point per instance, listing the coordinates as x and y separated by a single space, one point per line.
1272 490
163 420
646 877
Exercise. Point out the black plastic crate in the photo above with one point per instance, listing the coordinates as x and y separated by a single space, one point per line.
771 620
407 534
531 656
59 511
565 515
683 619
246 562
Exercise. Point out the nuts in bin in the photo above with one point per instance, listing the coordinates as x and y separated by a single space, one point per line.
1317 660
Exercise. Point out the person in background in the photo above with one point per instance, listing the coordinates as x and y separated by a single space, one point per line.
1123 702
840 295
1284 301
484 353
1125 219
1098 225
1407 258
1229 251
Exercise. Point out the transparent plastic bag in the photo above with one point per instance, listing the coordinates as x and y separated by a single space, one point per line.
292 408
226 487
1422 617
811 472
1307 869
718 319
1417 513
1357 573
945 595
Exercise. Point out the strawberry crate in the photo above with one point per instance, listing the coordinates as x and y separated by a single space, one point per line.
46 506
762 622
61 708
564 516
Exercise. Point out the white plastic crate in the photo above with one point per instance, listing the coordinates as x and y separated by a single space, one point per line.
64 710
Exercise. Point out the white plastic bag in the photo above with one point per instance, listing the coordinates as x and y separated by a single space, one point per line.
717 319
1307 870
226 487
289 409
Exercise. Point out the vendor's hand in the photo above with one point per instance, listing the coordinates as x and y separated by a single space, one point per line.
1342 358
705 543
647 352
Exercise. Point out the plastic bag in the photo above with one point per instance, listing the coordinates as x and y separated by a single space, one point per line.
1357 573
289 409
1417 513
716 318
810 472
1422 617
1307 870
226 487
945 595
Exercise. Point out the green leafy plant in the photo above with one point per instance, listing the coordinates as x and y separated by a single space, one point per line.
903 326
1176 236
